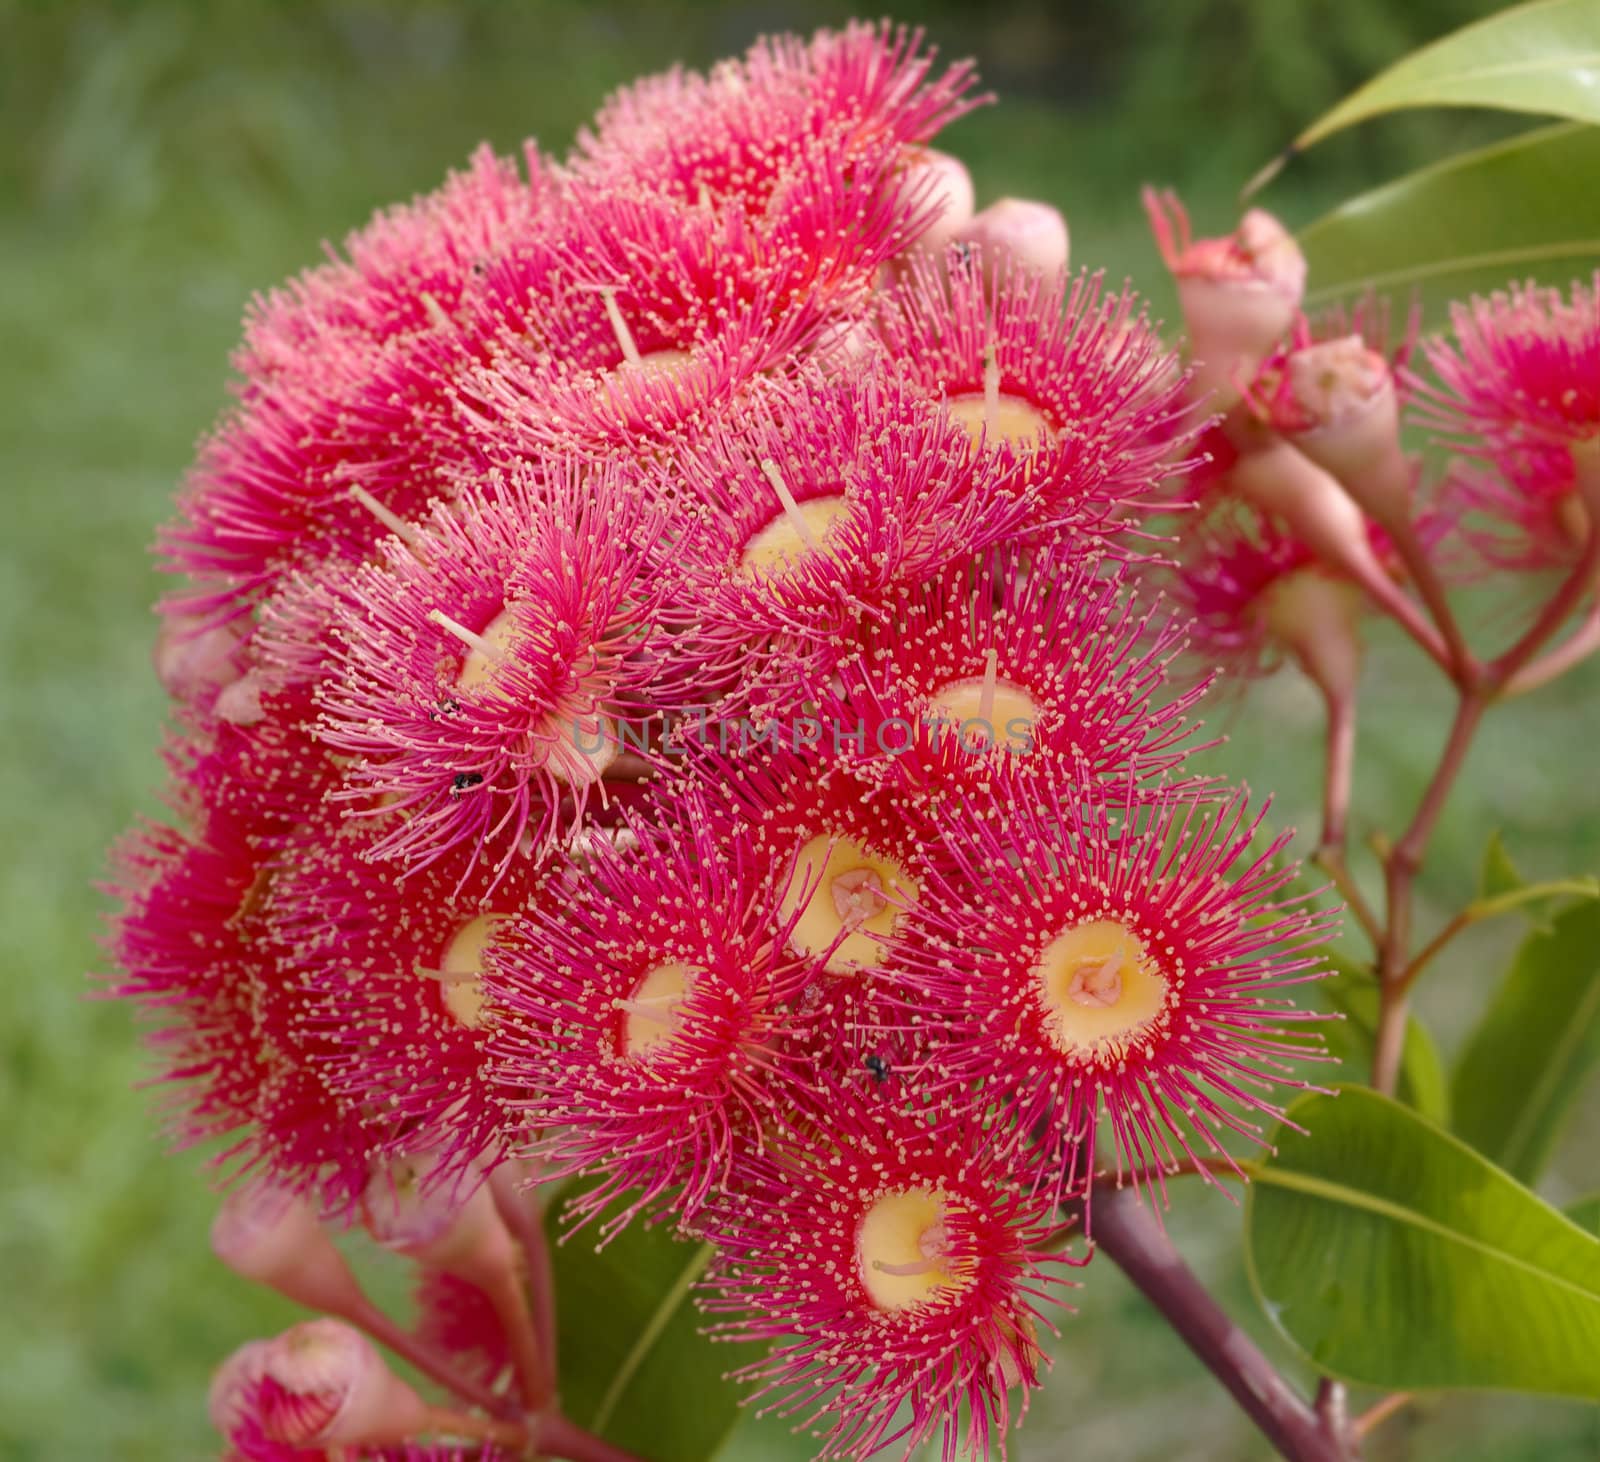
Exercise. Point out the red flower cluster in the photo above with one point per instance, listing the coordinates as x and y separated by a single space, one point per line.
663 690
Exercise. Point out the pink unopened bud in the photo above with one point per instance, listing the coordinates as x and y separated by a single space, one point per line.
323 1384
1337 403
1280 479
272 1236
240 701
1031 235
1316 618
193 660
1238 294
946 184
228 1401
444 1220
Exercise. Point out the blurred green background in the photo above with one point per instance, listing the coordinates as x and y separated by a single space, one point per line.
159 162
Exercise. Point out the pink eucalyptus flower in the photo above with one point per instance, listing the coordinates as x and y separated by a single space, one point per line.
1069 384
1081 953
647 1015
895 1272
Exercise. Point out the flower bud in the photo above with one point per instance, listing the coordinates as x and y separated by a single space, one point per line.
1316 617
323 1384
1278 478
445 1221
1336 402
193 660
1031 235
1238 294
240 700
229 1397
945 183
272 1236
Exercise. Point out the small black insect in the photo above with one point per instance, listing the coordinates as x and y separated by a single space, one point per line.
462 780
879 1068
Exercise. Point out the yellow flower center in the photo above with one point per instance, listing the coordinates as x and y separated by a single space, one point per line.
902 1250
653 1014
838 886
1100 991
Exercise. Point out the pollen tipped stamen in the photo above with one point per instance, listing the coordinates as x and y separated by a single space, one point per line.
435 312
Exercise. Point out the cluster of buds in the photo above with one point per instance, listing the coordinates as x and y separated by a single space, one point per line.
665 704
1307 510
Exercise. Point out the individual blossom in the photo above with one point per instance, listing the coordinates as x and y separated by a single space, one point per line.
894 1271
1239 293
458 1319
1082 954
392 969
1055 377
730 135
193 940
648 1017
656 316
829 501
320 1385
1256 596
1518 386
486 664
1043 662
329 397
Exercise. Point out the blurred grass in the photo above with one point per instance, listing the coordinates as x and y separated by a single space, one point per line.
159 162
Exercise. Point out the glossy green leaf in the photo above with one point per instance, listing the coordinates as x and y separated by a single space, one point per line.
1542 58
634 1366
1586 1214
1535 1046
1394 1255
1498 874
1524 208
1352 992
1501 886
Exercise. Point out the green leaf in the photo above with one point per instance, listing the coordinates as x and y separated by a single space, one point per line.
1393 1255
1520 209
1534 1047
1586 1214
1541 58
634 1366
1498 873
1352 992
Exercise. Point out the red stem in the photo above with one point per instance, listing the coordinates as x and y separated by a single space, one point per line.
519 1213
368 1317
1400 872
555 1436
1137 1244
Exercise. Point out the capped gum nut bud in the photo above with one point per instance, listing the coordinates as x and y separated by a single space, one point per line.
1279 478
1316 617
192 658
1032 235
444 1220
322 1383
1349 413
228 1398
948 187
271 1235
1238 294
